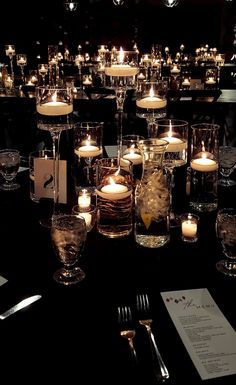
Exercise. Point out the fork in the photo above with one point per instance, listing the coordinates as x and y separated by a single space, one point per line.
143 308
125 321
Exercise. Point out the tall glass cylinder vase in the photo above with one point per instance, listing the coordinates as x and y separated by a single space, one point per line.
204 167
152 198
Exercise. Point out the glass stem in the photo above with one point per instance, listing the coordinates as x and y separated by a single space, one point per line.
171 186
56 158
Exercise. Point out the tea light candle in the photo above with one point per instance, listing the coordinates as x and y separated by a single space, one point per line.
87 81
54 108
189 224
189 228
10 51
43 70
84 199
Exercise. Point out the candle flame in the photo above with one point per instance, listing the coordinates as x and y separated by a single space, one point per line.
111 180
88 141
121 55
54 97
151 92
203 146
169 134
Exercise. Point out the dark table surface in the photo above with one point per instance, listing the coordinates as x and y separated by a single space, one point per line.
72 335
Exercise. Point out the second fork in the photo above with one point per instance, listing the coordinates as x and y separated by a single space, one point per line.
143 308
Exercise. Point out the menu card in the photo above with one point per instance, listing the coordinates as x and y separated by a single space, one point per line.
208 337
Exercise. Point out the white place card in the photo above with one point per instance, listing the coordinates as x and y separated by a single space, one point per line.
43 179
208 337
2 280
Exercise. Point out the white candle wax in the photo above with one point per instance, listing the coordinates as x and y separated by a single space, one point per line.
84 199
121 70
114 191
88 151
21 61
175 70
87 217
210 81
189 228
186 82
134 158
54 108
204 164
87 82
175 144
151 102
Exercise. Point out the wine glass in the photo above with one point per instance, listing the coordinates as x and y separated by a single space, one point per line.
10 52
54 106
43 71
226 234
121 71
175 132
21 61
151 103
227 163
68 234
9 166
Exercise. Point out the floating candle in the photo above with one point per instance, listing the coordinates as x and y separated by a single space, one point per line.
88 151
121 70
204 164
151 102
54 108
175 144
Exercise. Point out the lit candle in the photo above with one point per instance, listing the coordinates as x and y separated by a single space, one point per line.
204 164
186 82
84 199
114 191
10 51
210 80
175 144
43 70
133 157
88 151
21 61
175 69
121 70
87 81
54 108
151 101
189 227
114 188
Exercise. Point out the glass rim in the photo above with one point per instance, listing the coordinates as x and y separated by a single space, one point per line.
174 122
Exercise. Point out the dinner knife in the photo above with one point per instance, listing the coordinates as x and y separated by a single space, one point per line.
20 305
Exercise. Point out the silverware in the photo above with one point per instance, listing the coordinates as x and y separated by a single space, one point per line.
143 308
22 304
127 331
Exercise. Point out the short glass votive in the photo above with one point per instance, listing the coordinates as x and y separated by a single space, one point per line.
189 227
89 215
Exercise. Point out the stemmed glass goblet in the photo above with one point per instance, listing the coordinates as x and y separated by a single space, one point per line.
68 234
175 132
21 61
43 71
151 103
227 163
121 73
226 234
10 52
54 108
9 166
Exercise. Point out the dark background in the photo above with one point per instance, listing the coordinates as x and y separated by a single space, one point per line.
33 26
